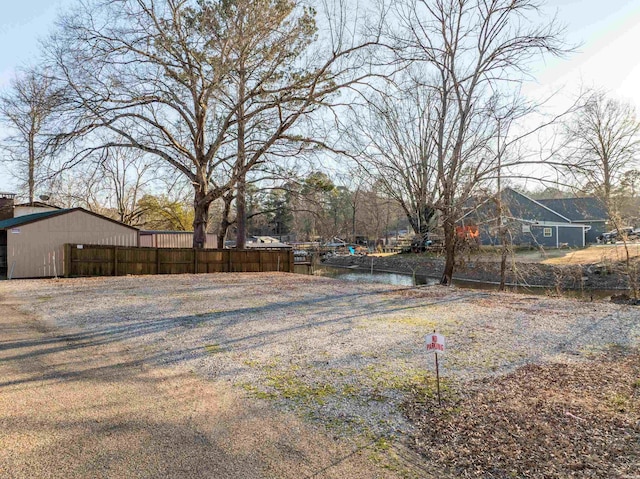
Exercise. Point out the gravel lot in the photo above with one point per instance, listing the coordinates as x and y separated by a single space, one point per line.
340 354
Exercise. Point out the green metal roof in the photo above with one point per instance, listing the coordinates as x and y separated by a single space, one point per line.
21 220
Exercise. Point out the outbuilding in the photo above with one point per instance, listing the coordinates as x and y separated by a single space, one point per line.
32 245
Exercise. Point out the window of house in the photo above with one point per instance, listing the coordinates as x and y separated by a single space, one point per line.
547 232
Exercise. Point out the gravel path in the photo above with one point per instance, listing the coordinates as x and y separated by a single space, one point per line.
340 354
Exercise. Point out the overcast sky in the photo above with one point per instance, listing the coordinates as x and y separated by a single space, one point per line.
608 56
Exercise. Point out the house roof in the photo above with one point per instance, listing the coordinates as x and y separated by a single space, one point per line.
37 204
32 218
516 206
578 209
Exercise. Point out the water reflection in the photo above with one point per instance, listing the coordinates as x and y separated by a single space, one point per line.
362 276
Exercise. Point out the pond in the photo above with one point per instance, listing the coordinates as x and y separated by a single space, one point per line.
401 279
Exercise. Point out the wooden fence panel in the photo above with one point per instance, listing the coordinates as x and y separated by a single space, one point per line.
136 261
213 261
98 260
93 261
176 260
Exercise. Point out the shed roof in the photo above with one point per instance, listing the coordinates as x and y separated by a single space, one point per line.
32 218
37 204
21 220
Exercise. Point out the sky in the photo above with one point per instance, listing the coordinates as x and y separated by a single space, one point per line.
606 35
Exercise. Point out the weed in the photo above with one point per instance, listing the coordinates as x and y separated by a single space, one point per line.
619 402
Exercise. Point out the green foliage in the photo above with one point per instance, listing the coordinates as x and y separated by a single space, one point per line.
317 182
161 213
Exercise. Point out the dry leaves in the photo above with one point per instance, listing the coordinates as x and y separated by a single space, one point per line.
552 421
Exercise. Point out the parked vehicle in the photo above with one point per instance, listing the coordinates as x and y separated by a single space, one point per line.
616 235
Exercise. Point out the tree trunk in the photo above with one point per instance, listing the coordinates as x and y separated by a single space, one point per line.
32 167
225 223
450 252
241 212
241 200
200 219
503 260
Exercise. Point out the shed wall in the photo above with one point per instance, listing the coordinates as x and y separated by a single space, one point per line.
36 250
182 239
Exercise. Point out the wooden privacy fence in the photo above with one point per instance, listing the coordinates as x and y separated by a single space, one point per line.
98 260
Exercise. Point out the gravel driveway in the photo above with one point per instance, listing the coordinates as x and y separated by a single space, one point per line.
338 355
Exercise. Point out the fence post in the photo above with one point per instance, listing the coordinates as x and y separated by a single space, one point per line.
291 262
115 261
260 252
157 260
67 260
229 260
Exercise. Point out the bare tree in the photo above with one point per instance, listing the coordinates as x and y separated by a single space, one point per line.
603 144
208 87
125 177
604 141
28 108
393 137
466 56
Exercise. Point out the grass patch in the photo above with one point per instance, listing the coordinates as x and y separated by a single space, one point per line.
213 348
289 386
405 380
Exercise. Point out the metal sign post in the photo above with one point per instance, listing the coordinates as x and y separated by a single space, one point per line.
435 344
438 381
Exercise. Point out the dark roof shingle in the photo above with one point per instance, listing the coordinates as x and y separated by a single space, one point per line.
578 209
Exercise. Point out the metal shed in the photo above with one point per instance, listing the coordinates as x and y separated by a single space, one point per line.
32 246
174 239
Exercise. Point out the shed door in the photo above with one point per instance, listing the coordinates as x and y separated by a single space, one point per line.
3 254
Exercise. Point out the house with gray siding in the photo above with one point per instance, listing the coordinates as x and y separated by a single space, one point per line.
589 211
526 221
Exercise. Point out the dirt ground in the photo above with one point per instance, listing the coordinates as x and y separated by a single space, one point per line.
564 256
75 407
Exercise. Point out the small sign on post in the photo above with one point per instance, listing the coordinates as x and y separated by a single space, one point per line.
435 344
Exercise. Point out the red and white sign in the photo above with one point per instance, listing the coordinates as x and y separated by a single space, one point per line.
435 343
